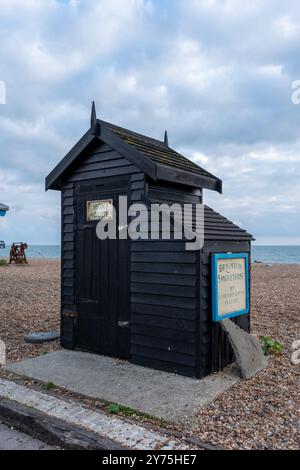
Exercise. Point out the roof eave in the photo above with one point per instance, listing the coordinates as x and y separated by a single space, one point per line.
53 179
168 173
152 169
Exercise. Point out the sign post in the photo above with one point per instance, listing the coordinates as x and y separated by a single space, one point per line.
230 285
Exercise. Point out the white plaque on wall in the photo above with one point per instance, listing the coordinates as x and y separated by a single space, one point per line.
99 210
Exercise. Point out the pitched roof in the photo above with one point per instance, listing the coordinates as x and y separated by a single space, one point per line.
156 150
217 227
150 155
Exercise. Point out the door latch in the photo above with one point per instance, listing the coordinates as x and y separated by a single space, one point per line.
70 314
123 324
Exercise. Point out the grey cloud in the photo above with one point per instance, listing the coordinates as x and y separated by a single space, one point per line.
216 74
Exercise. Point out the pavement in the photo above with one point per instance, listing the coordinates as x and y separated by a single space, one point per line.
111 432
11 439
163 395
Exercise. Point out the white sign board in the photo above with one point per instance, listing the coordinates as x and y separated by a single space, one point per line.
230 285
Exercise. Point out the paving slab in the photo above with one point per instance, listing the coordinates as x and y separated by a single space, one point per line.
12 439
164 395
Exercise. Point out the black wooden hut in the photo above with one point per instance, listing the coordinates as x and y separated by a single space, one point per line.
148 301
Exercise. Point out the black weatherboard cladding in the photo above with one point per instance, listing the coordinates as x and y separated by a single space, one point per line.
165 294
99 163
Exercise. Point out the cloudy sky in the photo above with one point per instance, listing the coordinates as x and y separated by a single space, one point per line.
216 73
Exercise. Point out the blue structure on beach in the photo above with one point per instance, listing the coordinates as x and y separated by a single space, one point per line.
3 209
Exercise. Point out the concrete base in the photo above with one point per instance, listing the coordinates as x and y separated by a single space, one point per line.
247 349
167 396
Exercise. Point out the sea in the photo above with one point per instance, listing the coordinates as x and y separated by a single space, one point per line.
264 253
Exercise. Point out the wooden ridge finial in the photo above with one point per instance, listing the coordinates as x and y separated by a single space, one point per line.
166 139
94 123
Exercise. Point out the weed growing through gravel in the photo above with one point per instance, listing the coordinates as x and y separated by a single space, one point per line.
271 346
115 408
3 262
122 410
49 386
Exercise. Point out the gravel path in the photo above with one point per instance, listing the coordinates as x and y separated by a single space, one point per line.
29 301
261 413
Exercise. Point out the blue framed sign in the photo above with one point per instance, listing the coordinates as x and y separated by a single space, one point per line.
230 285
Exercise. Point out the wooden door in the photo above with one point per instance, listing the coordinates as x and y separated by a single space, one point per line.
102 278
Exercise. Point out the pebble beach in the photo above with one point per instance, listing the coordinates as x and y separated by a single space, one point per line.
261 413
